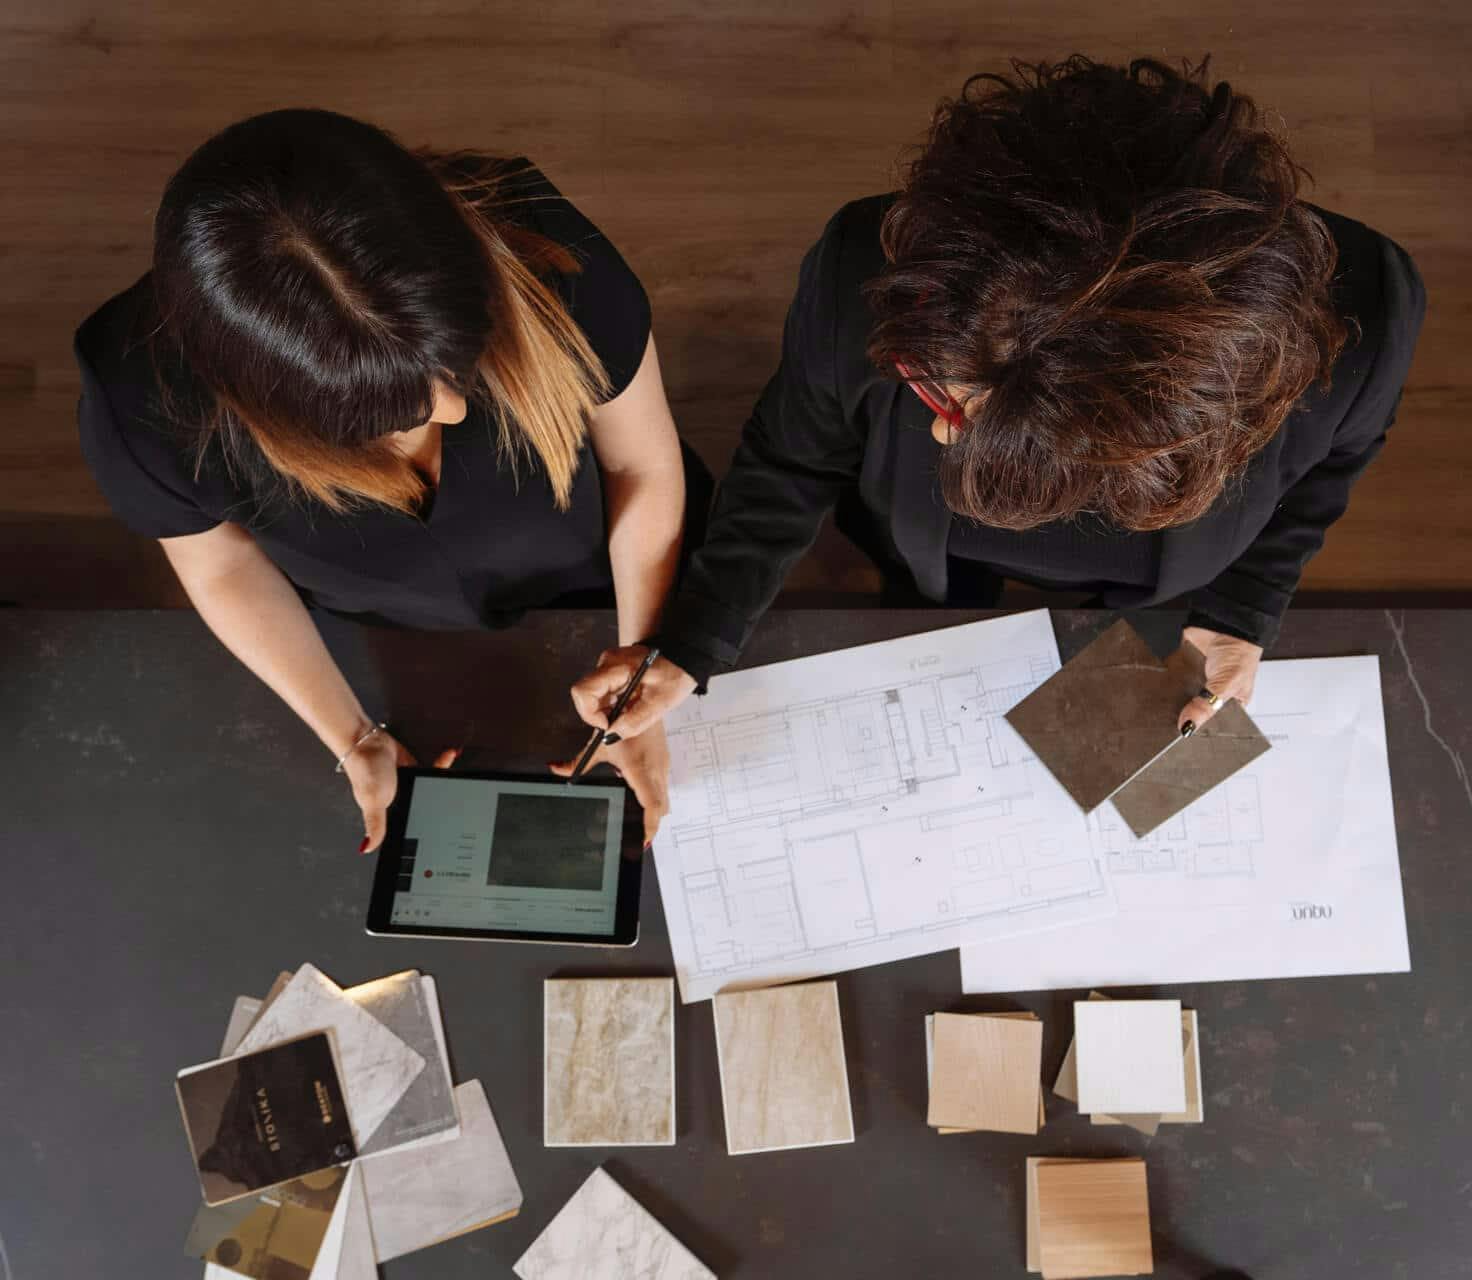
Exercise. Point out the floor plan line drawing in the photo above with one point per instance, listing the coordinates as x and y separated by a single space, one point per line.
1218 892
822 818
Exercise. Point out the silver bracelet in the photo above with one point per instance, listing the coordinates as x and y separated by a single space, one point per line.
343 759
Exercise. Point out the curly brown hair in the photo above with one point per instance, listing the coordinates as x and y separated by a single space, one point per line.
1118 258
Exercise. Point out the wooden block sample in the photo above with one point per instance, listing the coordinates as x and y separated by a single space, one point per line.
1129 1056
1194 1111
986 1073
784 1079
930 1065
1093 1219
608 1064
1066 1085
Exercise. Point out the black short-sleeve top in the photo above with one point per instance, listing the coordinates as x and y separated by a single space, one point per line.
491 545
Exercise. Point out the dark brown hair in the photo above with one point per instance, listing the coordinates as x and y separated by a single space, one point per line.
316 279
1119 259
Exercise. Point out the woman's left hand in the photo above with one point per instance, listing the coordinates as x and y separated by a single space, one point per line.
642 762
1231 672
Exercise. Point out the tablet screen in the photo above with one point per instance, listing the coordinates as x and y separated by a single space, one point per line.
534 857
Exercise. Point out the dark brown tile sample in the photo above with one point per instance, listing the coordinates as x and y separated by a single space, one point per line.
1103 717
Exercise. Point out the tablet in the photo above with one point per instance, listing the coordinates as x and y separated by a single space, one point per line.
511 858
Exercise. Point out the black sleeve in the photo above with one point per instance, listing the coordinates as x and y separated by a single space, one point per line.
798 452
604 298
144 476
1249 598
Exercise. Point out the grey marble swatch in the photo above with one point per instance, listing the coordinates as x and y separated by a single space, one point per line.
356 1257
241 1016
377 1067
608 1066
604 1233
398 1001
784 1079
419 1195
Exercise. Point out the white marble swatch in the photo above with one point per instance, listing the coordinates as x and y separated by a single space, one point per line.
241 1016
603 1233
377 1067
784 1079
421 1194
356 1258
1128 1056
608 1064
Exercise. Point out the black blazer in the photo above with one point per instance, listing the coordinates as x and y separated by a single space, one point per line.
830 423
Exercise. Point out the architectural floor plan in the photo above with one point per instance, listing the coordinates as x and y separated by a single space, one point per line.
1289 869
865 805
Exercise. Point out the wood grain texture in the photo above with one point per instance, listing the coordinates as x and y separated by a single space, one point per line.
1093 1219
711 142
986 1073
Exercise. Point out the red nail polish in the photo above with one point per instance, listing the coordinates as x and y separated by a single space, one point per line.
363 848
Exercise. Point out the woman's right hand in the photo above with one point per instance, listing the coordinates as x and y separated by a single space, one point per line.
663 688
373 773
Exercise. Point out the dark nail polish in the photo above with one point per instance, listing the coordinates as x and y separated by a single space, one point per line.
1188 729
648 845
610 738
363 848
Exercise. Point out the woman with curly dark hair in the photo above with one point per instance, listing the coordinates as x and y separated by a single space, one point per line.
1096 342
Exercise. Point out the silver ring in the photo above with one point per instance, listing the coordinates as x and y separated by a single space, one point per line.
1212 700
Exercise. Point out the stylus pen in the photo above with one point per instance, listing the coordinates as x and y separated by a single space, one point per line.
618 709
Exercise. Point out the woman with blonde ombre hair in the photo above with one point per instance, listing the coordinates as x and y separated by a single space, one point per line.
364 382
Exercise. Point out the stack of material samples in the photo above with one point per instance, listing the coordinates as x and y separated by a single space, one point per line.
1133 1062
985 1072
1088 1218
329 1136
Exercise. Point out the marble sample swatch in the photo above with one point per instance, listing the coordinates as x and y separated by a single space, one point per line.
1105 726
399 1002
421 1194
1194 1111
608 1063
604 1232
241 1016
357 1259
784 1078
930 1066
986 1073
1089 1218
376 1067
1128 1055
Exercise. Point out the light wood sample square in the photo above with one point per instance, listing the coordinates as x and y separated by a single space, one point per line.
1093 1218
784 1080
608 1065
1128 1055
930 1065
986 1073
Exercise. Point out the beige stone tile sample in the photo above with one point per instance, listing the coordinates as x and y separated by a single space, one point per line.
1129 1056
1093 1218
608 1062
784 1080
986 1073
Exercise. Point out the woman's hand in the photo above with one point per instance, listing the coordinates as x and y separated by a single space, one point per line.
663 688
1231 672
373 773
644 763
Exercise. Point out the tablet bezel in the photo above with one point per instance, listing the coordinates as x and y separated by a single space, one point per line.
630 868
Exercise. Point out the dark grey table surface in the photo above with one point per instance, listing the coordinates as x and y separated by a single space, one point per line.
173 836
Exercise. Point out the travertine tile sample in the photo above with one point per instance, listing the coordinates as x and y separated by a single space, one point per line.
1194 1112
1129 1056
604 1232
377 1067
422 1194
986 1073
1093 1218
608 1067
1103 717
784 1080
930 1066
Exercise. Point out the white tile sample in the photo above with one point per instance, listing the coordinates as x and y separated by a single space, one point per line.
604 1233
608 1066
784 1078
421 1194
377 1067
1128 1055
241 1016
356 1257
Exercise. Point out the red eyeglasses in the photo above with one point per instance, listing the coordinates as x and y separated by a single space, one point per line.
935 397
